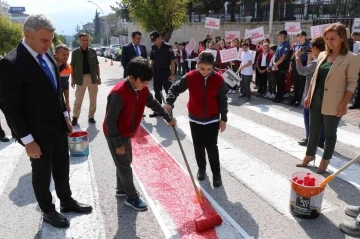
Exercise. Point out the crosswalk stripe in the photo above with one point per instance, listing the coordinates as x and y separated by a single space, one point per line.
290 146
270 185
84 189
343 136
10 154
162 192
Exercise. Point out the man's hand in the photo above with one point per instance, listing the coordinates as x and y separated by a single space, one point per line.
167 108
120 150
33 150
172 122
69 125
98 81
172 78
222 126
68 109
73 83
298 53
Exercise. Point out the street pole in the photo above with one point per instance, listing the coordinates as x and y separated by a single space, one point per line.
106 31
271 16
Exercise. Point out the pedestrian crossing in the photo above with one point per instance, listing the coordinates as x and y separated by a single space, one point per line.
248 171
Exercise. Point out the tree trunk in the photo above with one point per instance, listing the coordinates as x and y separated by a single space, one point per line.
167 35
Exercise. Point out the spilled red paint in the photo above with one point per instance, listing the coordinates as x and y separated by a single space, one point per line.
168 185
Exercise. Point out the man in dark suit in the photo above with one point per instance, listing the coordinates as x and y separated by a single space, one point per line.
35 107
132 49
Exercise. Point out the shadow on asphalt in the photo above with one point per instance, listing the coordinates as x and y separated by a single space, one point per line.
23 194
126 221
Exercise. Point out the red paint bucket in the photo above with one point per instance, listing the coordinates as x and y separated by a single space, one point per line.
306 198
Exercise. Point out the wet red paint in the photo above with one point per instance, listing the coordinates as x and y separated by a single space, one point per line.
167 184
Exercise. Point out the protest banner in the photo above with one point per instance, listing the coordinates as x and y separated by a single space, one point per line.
230 35
229 55
231 78
317 31
190 46
212 23
356 25
256 34
292 28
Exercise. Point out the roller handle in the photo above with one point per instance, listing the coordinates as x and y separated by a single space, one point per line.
329 178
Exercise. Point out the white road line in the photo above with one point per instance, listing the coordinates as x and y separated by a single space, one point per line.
290 146
10 154
271 186
228 229
84 189
343 136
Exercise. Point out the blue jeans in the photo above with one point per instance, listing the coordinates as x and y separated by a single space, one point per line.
306 114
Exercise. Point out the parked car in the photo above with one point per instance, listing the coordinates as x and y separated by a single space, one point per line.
101 50
107 53
115 54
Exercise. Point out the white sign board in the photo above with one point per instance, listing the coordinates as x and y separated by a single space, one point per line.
317 31
356 25
256 34
212 23
190 46
230 35
293 28
229 55
231 78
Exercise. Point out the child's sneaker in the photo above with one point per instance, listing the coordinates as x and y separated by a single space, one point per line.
136 203
120 193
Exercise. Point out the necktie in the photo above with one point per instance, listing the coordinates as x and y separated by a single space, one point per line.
137 51
47 70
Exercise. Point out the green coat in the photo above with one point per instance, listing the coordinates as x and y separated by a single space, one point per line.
77 65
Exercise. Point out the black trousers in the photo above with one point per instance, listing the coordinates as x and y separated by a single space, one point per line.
55 160
262 80
280 80
357 97
2 132
161 80
205 138
298 82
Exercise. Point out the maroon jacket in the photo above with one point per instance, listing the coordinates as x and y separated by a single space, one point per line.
268 59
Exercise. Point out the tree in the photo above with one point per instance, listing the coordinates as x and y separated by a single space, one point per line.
97 34
11 34
164 16
122 10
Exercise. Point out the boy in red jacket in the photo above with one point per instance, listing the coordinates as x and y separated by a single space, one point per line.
208 109
124 112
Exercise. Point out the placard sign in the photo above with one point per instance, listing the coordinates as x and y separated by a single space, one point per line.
317 31
230 35
292 28
190 46
356 25
229 55
231 78
256 34
212 23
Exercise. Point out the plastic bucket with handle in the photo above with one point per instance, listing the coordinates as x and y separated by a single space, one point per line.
79 144
306 195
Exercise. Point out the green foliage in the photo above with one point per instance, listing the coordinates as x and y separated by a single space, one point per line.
97 35
11 34
122 10
162 15
58 39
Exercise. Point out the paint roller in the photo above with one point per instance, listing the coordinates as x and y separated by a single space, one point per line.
202 223
329 178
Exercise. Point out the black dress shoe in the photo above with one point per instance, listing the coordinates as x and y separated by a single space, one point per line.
153 115
217 180
5 139
321 145
55 219
74 206
354 106
303 142
92 121
201 175
297 104
277 100
74 121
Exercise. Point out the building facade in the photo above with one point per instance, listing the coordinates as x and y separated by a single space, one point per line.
4 8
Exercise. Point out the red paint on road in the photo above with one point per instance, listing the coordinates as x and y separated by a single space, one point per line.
168 185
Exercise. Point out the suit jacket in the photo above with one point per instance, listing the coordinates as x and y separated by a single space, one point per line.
342 77
31 102
128 52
